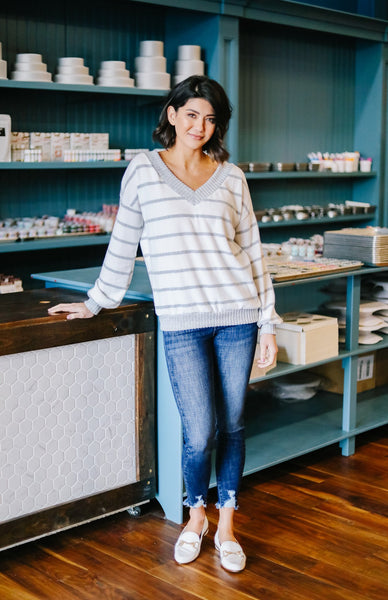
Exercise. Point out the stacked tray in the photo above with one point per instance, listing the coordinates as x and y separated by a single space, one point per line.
370 245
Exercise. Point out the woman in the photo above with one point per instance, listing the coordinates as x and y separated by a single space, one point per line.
192 214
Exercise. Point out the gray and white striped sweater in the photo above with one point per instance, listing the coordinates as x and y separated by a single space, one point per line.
201 248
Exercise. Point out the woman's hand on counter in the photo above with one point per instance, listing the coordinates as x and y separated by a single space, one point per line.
76 310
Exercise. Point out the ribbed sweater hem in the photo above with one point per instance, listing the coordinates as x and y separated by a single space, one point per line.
208 319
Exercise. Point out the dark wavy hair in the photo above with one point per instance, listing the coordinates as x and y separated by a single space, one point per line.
197 86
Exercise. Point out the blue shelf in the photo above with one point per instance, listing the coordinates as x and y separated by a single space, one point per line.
304 222
282 369
89 89
55 242
101 164
309 175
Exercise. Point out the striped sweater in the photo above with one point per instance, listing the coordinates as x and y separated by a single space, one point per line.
201 248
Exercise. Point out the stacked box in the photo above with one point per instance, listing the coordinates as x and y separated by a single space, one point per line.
40 140
99 141
79 141
20 141
59 143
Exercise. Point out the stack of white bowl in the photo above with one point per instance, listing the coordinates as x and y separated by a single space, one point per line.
29 67
71 69
189 63
151 66
3 66
114 73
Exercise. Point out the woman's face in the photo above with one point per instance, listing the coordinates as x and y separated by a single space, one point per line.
194 123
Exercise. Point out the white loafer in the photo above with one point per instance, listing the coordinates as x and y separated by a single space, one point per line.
231 555
188 545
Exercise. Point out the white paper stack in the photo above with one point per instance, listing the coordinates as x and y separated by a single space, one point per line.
151 66
113 73
29 67
3 65
71 69
189 63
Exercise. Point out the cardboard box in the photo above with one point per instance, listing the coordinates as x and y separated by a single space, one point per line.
40 140
20 141
60 142
305 338
333 374
382 367
79 141
99 141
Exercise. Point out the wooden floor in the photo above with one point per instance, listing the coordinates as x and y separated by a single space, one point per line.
313 529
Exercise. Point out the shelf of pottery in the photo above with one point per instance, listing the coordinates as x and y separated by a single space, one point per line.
373 314
150 68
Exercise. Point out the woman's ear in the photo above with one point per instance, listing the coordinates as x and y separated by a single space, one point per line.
171 113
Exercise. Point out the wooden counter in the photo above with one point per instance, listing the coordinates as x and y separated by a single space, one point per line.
77 413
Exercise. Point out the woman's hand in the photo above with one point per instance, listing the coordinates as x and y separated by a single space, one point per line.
76 310
268 350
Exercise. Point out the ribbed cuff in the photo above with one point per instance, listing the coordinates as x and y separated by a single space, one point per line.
268 328
93 306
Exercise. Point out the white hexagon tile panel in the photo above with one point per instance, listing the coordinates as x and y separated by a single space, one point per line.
67 424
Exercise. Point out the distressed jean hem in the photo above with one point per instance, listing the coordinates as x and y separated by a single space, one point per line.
200 502
227 504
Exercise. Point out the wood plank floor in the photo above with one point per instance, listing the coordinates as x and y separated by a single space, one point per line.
315 528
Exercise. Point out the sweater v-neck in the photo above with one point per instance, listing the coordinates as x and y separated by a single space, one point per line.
193 196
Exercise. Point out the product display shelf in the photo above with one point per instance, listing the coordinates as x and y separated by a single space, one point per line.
58 241
309 175
275 432
317 221
46 165
263 55
89 89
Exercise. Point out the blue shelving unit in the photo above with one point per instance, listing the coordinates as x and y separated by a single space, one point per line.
300 78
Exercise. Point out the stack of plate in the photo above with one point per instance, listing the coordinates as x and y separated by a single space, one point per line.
29 67
114 73
3 66
370 320
151 67
370 245
189 63
71 69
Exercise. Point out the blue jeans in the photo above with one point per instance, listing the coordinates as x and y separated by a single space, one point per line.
209 371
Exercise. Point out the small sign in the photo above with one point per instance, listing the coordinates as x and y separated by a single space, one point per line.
365 367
